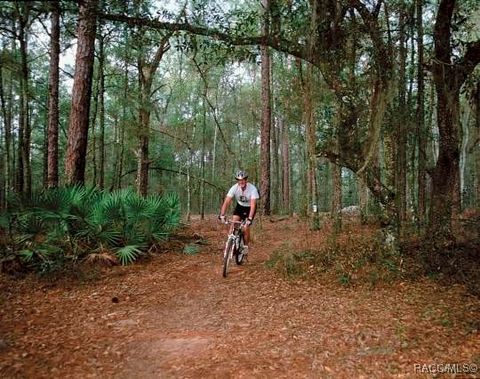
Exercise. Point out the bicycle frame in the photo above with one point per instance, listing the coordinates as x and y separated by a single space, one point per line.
232 245
236 232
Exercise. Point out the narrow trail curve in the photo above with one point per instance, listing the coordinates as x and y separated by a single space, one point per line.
176 316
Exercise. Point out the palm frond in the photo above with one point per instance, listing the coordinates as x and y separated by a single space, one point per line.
128 254
73 221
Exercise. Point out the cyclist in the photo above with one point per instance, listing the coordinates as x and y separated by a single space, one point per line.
246 195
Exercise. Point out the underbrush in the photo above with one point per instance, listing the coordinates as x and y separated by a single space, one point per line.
55 229
358 255
352 257
457 263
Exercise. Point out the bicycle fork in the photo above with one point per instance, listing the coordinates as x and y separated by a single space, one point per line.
231 238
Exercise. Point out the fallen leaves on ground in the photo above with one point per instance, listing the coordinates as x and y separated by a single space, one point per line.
174 315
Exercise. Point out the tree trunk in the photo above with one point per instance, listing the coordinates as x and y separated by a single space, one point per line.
285 167
446 169
401 138
420 121
336 205
101 106
115 151
449 78
311 138
119 146
7 122
465 142
23 174
142 151
476 151
202 163
3 149
363 200
75 160
45 154
266 119
146 71
2 177
275 168
93 130
53 99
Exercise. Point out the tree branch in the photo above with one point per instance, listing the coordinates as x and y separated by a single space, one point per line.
289 47
212 108
469 61
157 168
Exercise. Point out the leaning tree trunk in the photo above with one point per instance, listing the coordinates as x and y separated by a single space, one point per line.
449 76
53 84
81 93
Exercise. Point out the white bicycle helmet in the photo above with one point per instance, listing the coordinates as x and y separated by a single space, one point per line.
240 174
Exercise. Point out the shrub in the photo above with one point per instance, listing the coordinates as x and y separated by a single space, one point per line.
348 258
62 225
290 263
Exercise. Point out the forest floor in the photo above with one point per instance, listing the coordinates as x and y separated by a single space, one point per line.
174 316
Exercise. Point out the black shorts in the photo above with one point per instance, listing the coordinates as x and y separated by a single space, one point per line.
241 211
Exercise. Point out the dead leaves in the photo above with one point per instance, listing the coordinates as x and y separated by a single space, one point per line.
177 317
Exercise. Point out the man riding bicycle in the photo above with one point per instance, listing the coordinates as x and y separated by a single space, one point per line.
246 195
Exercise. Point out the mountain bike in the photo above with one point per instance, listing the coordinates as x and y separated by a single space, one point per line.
234 246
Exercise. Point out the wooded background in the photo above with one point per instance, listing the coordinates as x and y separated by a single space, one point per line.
326 103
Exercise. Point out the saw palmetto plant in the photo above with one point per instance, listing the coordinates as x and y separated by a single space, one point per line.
67 224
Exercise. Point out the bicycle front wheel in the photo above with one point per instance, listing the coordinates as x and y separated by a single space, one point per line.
226 256
239 253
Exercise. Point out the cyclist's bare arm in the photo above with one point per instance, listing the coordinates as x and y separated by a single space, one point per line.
225 205
253 208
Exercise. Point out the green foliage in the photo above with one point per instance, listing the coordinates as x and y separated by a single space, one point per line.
128 254
62 225
191 249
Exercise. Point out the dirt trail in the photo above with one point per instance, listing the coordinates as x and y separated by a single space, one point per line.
175 316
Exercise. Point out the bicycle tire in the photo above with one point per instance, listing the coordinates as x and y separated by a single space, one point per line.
226 257
239 256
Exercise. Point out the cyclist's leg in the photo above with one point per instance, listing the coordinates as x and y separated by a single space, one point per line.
246 235
238 213
246 230
235 217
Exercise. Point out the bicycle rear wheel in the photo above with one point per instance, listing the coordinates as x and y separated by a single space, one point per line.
226 256
239 256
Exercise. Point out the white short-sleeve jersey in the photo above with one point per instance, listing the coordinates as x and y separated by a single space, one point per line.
243 197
